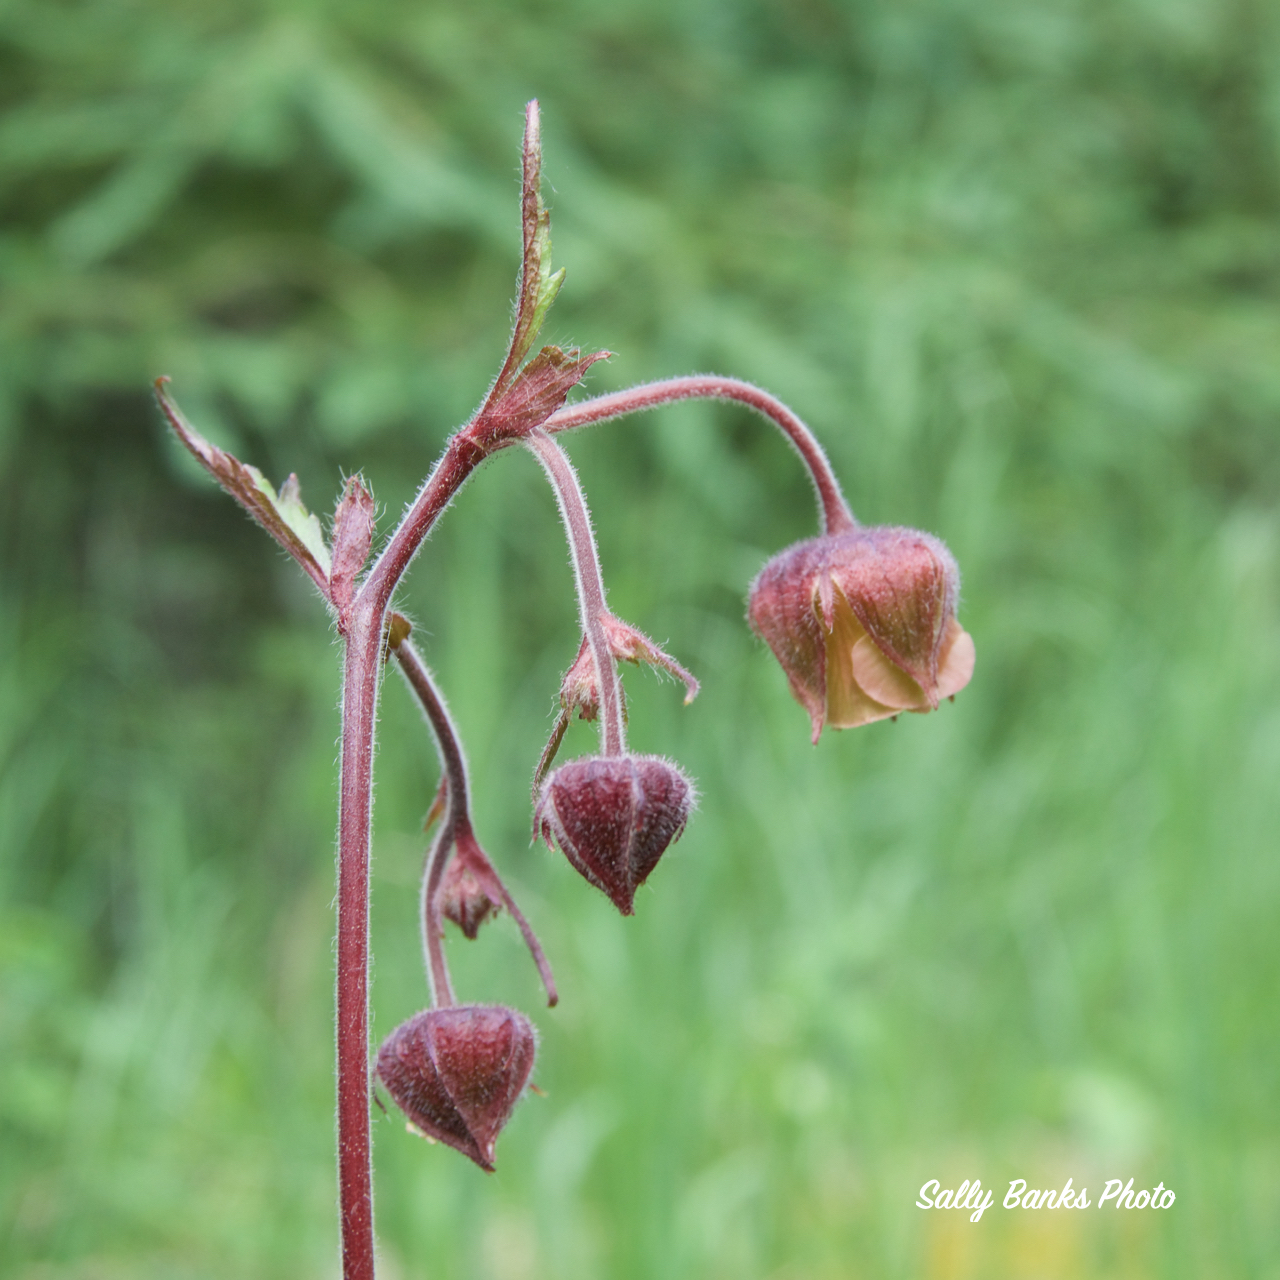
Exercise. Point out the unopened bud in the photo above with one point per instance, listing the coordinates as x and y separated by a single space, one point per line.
464 896
864 624
613 818
457 1073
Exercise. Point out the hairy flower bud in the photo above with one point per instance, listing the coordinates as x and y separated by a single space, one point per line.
613 818
464 896
864 624
457 1073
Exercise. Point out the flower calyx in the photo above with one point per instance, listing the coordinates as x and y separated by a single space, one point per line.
458 1072
580 686
614 817
470 891
864 624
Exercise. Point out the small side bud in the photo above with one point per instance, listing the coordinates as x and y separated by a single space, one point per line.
352 538
613 817
864 624
399 628
457 1073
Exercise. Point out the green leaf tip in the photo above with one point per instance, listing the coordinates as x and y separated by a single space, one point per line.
305 524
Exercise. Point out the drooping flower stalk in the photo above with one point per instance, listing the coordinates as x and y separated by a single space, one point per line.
455 830
835 512
590 586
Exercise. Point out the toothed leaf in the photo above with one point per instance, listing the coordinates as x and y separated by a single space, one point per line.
281 514
538 284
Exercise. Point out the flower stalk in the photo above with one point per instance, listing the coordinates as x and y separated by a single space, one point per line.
455 831
832 507
590 586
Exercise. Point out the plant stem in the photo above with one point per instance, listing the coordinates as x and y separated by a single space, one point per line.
586 572
836 516
362 627
359 710
429 911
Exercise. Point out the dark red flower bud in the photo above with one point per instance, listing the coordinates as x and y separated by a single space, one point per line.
464 898
457 1073
864 624
613 818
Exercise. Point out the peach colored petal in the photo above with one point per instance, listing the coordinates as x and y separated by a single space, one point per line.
956 659
882 680
848 704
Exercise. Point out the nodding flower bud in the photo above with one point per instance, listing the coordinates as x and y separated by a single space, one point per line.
458 1072
864 624
613 818
464 898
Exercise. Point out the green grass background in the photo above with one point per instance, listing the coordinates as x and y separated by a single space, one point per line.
1018 264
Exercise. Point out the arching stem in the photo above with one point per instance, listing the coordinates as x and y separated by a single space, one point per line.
590 585
836 516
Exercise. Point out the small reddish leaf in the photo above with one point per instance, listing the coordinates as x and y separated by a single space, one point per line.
537 391
281 514
538 284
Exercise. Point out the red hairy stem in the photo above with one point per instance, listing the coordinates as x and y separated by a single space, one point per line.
364 623
836 516
429 911
460 458
448 743
586 571
454 765
359 710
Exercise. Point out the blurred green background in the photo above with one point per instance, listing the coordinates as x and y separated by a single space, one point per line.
1016 262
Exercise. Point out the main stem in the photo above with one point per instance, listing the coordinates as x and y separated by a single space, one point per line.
363 626
359 710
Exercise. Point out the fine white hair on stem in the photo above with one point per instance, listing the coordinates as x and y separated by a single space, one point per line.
834 509
590 586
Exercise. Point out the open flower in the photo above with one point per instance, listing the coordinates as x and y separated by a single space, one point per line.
864 624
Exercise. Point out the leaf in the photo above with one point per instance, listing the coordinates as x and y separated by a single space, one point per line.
281 514
539 389
538 284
